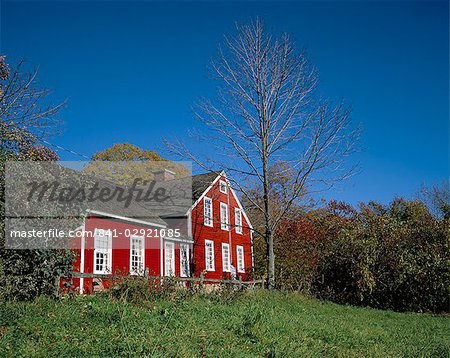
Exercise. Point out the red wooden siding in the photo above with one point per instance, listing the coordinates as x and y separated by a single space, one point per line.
120 263
200 233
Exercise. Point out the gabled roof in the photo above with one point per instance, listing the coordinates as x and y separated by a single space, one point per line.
201 182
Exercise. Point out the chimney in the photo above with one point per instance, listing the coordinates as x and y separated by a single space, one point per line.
164 175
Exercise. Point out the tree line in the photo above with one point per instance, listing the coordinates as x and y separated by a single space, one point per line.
394 256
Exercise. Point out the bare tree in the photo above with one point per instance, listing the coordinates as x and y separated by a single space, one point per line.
23 103
26 119
266 112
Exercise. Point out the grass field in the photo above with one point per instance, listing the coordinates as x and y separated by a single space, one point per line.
255 324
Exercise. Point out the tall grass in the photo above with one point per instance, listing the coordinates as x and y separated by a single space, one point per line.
253 323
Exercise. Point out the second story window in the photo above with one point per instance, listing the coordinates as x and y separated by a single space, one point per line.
207 211
223 216
223 187
238 220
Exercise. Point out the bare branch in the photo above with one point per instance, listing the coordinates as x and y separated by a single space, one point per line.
266 112
23 102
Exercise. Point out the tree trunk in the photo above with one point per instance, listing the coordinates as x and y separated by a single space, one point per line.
268 229
270 261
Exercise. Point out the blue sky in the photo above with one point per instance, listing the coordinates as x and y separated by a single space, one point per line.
131 72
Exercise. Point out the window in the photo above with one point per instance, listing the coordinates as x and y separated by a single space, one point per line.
169 259
238 220
240 258
137 255
102 251
207 211
209 255
223 187
226 258
184 260
223 216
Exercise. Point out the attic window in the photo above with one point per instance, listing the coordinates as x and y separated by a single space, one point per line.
223 187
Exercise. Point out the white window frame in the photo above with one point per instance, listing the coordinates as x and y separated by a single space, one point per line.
99 234
224 221
184 271
226 264
140 269
209 265
238 223
223 184
169 246
208 218
240 262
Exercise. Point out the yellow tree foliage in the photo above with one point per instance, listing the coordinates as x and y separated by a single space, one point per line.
124 162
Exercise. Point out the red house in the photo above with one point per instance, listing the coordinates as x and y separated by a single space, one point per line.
213 237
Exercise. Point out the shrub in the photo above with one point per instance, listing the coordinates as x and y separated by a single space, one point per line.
26 274
140 289
394 257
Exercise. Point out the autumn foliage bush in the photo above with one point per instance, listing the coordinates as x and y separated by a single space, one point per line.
392 257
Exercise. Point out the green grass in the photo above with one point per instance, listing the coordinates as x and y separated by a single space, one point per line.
255 324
